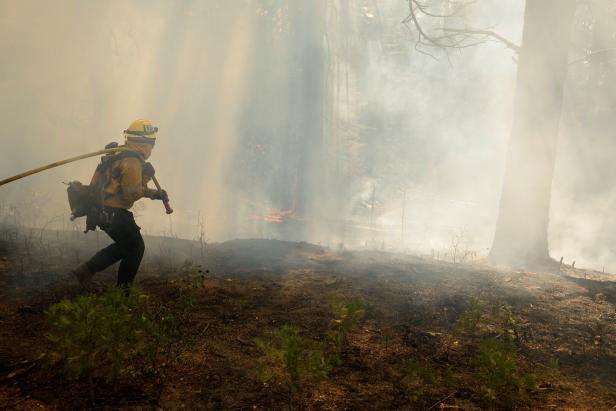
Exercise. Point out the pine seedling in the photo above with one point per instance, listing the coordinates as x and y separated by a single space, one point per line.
290 359
347 316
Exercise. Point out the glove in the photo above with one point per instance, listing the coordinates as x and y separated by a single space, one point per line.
148 171
157 195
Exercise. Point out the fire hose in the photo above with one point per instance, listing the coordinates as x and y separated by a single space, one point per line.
168 208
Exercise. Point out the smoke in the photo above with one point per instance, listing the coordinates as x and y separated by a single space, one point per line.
74 75
314 121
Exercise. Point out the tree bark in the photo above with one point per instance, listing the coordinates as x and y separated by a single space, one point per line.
521 236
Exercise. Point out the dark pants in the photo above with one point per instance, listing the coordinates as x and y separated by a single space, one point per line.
128 247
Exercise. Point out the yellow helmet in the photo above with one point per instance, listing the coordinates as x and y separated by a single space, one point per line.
141 131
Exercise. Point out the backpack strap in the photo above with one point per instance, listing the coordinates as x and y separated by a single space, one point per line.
110 159
129 154
96 214
107 163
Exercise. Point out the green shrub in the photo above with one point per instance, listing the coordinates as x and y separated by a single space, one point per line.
503 381
477 320
419 379
290 359
469 321
189 269
347 315
509 322
109 336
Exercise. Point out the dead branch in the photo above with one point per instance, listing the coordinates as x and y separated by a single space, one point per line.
487 33
452 38
412 17
424 9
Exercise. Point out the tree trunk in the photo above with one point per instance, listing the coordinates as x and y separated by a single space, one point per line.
307 109
521 236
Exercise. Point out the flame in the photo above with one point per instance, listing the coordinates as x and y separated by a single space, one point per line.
270 214
276 215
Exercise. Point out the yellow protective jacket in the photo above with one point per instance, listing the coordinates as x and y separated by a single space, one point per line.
124 182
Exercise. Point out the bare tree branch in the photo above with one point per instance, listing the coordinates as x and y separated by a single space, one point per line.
487 33
453 38
412 17
424 9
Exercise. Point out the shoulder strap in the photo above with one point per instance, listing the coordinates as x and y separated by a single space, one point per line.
128 154
108 160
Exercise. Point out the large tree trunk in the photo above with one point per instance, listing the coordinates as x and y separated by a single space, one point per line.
307 109
521 236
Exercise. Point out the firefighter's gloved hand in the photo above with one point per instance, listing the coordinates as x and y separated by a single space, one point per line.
157 195
163 195
148 171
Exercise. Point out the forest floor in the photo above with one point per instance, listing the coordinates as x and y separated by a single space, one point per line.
420 343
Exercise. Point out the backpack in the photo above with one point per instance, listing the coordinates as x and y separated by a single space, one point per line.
87 200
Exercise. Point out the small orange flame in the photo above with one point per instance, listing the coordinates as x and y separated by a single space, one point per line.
271 214
276 215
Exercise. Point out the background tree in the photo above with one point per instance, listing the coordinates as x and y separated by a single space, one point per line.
521 236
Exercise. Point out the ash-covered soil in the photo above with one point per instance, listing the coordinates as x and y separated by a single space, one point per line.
415 310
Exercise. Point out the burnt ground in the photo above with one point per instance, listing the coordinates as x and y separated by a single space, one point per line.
413 308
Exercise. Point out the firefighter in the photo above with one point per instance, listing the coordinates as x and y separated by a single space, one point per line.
123 180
